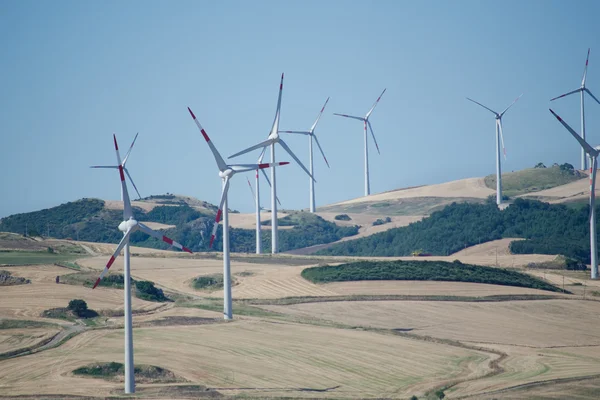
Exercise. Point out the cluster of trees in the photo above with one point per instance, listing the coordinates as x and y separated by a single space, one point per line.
423 271
88 220
548 228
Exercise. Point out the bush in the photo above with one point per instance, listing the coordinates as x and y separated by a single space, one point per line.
146 290
78 307
208 282
380 221
342 217
539 165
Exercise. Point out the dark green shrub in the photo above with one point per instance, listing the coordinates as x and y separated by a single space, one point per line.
342 217
146 290
78 307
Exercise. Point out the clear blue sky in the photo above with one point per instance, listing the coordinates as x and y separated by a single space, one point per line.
74 72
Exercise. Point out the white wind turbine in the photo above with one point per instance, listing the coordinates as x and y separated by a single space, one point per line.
129 226
499 142
257 201
593 153
311 135
226 172
581 91
366 122
273 139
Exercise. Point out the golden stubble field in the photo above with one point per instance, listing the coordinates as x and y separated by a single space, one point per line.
328 349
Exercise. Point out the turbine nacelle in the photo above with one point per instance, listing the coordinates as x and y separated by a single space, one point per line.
226 173
130 224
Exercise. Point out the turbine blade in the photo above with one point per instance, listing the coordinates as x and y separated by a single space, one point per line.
322 153
275 127
349 116
587 59
489 109
131 180
129 151
502 138
127 212
249 149
252 167
298 132
146 229
291 153
312 128
219 212
566 94
593 97
511 104
112 259
105 166
262 155
588 149
373 134
251 190
269 182
377 101
220 162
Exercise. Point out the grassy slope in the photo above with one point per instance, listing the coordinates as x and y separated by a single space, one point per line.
532 180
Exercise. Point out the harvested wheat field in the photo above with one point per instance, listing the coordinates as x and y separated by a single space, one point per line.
30 300
255 358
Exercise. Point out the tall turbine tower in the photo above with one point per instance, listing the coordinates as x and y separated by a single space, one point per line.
366 122
226 172
581 91
499 142
311 135
129 226
271 141
593 153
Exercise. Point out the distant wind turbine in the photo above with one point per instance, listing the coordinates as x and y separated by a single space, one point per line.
226 172
311 135
366 122
499 142
593 153
273 139
581 91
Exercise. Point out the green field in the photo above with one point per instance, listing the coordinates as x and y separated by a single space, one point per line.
533 180
423 271
33 257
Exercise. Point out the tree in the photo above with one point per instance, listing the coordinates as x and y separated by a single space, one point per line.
539 165
78 306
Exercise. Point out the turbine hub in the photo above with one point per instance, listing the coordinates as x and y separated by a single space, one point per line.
126 225
226 173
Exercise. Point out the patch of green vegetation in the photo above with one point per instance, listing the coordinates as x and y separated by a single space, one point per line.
20 324
423 271
208 282
34 257
77 308
380 221
70 265
238 308
6 279
534 179
146 290
342 217
142 373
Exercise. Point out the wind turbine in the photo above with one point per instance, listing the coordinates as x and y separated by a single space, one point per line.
129 226
499 142
581 91
257 201
226 172
366 122
273 139
311 135
593 153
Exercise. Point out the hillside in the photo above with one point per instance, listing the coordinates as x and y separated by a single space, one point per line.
184 219
532 180
547 228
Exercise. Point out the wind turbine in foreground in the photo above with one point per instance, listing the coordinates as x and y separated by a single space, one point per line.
128 226
271 141
593 153
499 142
581 91
226 172
366 122
311 135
